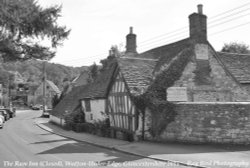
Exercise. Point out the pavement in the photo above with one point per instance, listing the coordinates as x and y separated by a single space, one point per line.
190 155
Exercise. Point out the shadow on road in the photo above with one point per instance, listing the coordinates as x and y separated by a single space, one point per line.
46 134
86 148
51 141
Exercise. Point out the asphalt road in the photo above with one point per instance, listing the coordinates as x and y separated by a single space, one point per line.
23 144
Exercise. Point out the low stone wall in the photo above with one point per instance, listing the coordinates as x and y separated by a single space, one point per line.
211 122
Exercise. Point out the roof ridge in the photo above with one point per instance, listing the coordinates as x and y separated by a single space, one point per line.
165 45
147 59
232 53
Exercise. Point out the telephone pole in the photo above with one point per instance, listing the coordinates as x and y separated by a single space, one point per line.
44 86
8 91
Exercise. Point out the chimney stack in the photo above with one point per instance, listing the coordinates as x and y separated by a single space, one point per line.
200 9
198 25
131 42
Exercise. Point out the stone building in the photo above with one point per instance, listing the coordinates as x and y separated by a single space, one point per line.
190 74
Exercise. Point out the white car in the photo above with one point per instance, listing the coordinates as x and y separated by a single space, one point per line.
1 121
2 116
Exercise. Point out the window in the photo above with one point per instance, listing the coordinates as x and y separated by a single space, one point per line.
91 116
87 105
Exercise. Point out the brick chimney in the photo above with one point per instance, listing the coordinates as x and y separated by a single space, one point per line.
198 25
131 42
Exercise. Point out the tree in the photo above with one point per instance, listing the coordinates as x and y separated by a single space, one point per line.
23 24
55 100
93 72
114 52
235 47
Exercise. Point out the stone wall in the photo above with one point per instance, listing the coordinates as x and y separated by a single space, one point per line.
208 123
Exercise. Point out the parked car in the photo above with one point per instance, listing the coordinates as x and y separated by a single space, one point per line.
1 122
46 113
41 107
11 111
2 117
36 107
5 114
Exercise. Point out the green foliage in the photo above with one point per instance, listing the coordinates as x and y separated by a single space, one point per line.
85 127
55 100
32 71
93 72
114 53
102 128
235 47
162 111
23 24
72 118
4 75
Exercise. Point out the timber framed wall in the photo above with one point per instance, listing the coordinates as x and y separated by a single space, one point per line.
121 109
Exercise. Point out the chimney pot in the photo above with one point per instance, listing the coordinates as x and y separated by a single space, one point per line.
131 30
198 25
200 8
131 42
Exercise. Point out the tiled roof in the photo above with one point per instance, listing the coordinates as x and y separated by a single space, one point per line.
97 89
166 53
69 103
53 86
137 72
237 64
81 79
166 50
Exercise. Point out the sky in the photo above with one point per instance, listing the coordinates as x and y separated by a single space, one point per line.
96 25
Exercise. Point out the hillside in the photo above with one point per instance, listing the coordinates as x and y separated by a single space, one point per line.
32 72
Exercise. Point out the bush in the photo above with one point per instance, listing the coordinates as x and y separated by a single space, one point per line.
85 127
103 128
72 119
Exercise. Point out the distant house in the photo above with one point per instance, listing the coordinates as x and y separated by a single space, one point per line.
51 91
17 77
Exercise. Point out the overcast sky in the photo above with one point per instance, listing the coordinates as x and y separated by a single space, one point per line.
96 25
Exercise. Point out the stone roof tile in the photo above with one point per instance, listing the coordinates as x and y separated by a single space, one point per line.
237 64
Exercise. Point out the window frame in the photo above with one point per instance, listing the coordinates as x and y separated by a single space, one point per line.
87 104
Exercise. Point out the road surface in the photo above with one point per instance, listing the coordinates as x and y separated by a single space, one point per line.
23 144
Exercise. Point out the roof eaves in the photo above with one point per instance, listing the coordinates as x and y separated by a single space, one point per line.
233 53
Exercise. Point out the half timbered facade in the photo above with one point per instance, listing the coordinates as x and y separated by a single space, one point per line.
122 111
